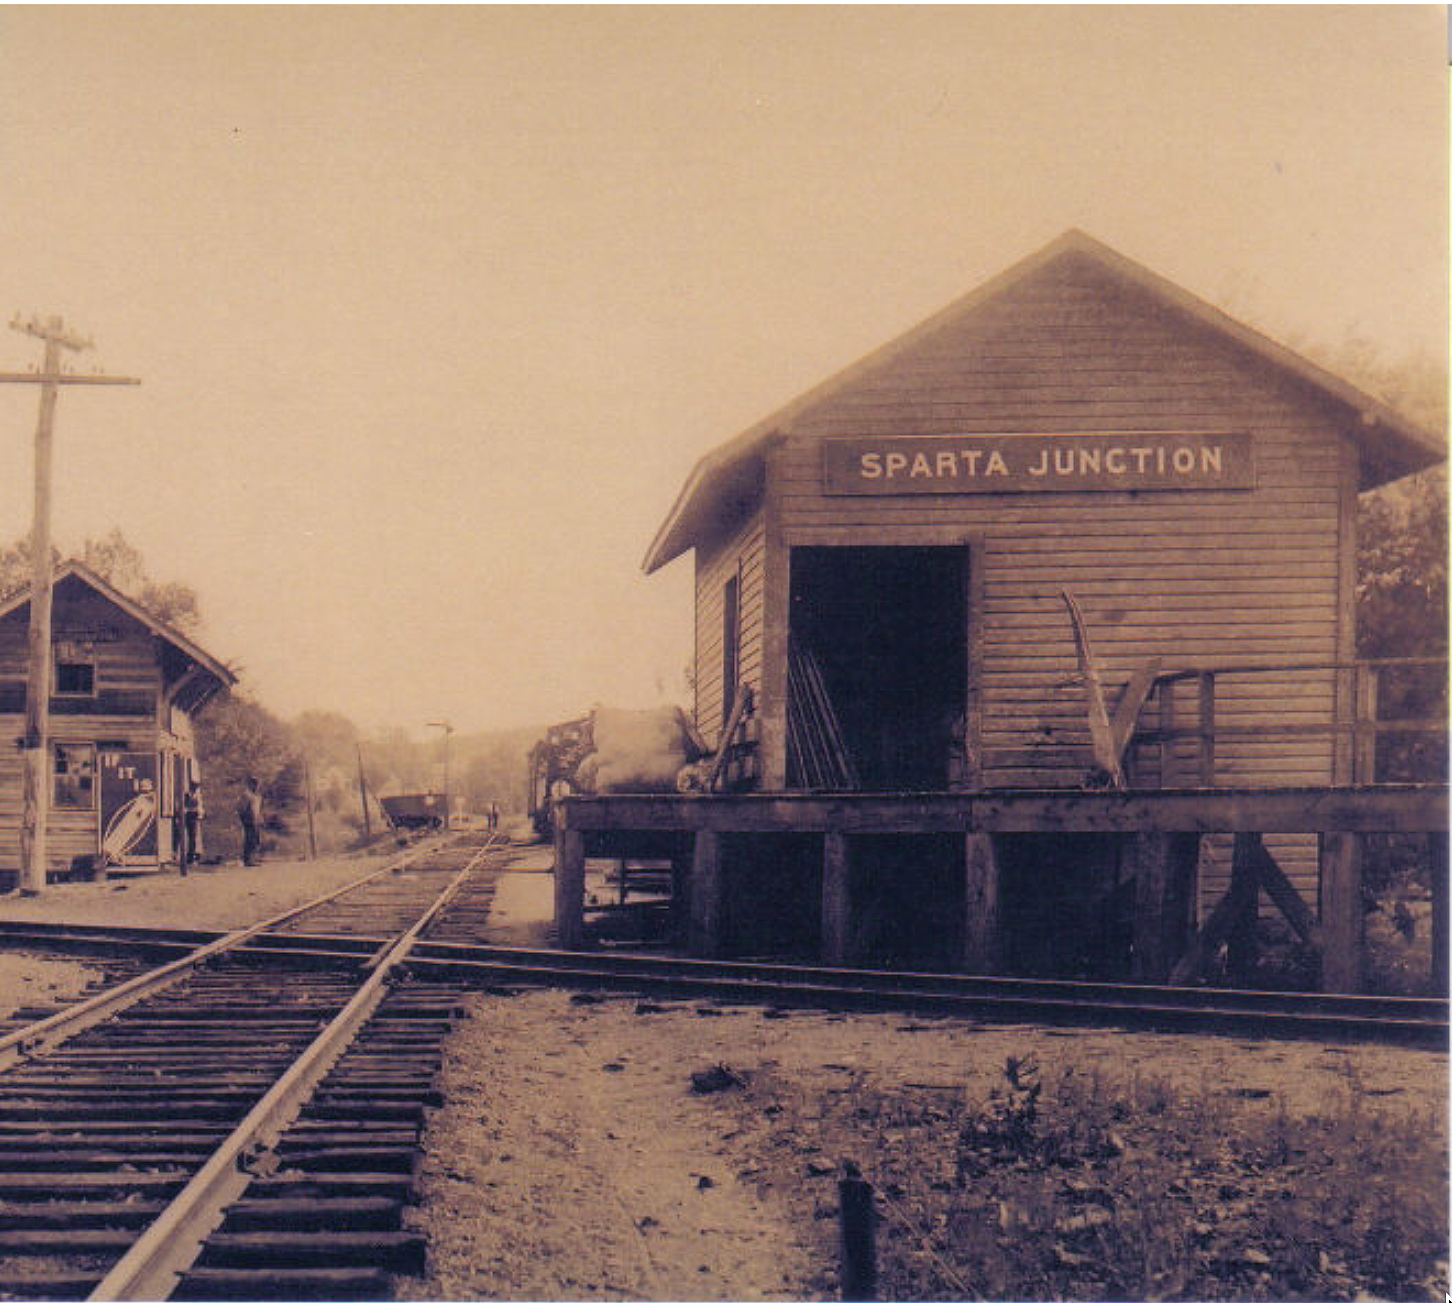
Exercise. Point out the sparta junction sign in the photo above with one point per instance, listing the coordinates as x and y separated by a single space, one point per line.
1028 463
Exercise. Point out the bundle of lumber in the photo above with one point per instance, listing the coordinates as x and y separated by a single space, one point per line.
817 751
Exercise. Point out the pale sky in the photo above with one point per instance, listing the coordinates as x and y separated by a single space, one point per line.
435 308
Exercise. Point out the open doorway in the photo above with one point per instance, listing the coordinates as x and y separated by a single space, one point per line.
877 688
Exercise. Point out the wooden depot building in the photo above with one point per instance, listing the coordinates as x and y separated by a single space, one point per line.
125 687
1027 609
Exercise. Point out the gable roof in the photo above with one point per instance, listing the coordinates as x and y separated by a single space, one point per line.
74 569
1391 445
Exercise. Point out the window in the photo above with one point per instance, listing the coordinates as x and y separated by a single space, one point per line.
75 776
730 645
75 670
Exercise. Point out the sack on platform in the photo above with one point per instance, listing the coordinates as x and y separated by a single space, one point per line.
639 750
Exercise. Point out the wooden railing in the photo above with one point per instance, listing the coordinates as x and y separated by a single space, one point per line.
1183 707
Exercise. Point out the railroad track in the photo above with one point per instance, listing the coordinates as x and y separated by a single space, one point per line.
243 1121
1398 1019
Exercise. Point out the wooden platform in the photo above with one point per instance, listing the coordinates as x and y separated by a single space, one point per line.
1161 829
1384 808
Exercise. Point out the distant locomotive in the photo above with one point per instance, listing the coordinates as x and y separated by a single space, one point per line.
416 810
611 750
553 762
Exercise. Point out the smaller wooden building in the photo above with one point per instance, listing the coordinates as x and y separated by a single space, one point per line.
125 687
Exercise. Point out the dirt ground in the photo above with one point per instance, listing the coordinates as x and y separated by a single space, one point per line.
574 1160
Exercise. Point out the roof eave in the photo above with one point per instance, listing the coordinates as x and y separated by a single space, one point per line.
1406 448
134 609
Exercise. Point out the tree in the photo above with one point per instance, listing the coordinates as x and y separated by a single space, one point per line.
328 738
237 737
1401 587
394 762
122 566
15 567
116 561
1401 610
174 603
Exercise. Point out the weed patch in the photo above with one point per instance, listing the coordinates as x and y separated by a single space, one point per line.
1083 1189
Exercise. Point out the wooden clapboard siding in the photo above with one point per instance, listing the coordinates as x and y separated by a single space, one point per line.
69 833
740 554
1196 577
127 711
128 675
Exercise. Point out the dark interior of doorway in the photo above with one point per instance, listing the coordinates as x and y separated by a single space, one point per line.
888 629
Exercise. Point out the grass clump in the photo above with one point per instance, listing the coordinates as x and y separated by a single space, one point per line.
1084 1189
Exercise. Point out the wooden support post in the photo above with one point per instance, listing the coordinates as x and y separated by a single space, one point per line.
836 900
1363 770
1242 947
1207 941
1281 890
707 897
1163 865
569 888
680 896
1437 860
1207 729
1168 769
980 904
858 1223
1343 919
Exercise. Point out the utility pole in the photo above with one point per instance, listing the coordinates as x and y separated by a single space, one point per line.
35 745
363 796
308 792
448 729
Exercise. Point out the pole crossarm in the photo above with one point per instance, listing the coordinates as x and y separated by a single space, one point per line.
52 330
62 378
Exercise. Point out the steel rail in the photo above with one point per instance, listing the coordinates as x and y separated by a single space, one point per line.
153 1266
889 981
1423 1018
1024 1007
40 1037
1406 1019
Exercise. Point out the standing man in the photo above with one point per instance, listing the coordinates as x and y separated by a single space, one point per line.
193 812
249 812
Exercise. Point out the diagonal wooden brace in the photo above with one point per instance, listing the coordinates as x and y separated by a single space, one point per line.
1109 735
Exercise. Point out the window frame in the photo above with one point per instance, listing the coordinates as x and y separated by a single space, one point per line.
84 783
67 653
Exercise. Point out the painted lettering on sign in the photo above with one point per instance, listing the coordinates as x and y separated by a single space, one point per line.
1027 463
86 634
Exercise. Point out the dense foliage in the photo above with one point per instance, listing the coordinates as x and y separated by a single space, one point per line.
1401 607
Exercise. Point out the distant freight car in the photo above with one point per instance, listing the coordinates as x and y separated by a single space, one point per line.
416 810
